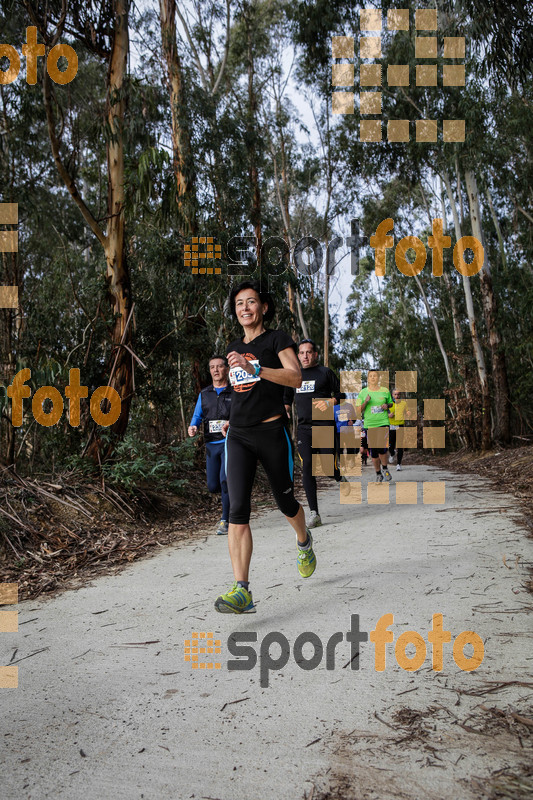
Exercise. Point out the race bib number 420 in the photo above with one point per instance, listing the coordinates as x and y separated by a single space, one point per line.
215 425
307 386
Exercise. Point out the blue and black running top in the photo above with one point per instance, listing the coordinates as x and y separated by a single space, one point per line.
254 399
212 408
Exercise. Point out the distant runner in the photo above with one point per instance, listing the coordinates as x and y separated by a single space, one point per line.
375 402
317 382
345 417
213 407
261 363
397 416
359 427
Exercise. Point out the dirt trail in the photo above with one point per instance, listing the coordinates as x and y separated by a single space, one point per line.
108 707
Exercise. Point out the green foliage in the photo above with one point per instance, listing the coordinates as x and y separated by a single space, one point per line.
251 122
139 464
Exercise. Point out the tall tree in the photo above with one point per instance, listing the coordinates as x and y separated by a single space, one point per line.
182 159
502 431
105 33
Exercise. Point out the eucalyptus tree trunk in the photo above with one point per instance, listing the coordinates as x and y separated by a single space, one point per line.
112 239
115 249
181 143
476 345
502 425
431 315
251 135
10 321
497 228
10 275
429 310
284 202
330 169
449 283
326 312
287 226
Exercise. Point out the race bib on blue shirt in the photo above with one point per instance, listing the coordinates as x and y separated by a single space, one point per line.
215 425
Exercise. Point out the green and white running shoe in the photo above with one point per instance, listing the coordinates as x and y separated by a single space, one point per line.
237 601
306 559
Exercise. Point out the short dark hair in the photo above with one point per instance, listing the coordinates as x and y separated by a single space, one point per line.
265 297
221 358
308 341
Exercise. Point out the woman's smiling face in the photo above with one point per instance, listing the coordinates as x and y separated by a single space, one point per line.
249 308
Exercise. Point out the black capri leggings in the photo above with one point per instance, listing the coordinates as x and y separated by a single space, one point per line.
375 452
305 437
392 447
270 444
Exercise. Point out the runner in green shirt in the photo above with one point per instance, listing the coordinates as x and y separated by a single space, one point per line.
374 402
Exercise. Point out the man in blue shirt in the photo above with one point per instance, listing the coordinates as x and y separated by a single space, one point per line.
212 408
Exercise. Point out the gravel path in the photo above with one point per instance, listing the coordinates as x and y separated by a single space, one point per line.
107 707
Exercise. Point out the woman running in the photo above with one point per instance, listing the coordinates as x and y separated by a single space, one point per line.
261 363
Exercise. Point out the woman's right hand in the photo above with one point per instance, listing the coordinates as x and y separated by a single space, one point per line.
238 360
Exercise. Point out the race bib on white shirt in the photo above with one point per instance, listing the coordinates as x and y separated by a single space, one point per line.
239 377
377 410
215 425
307 386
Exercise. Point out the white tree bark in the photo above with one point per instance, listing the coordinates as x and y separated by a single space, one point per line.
476 345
